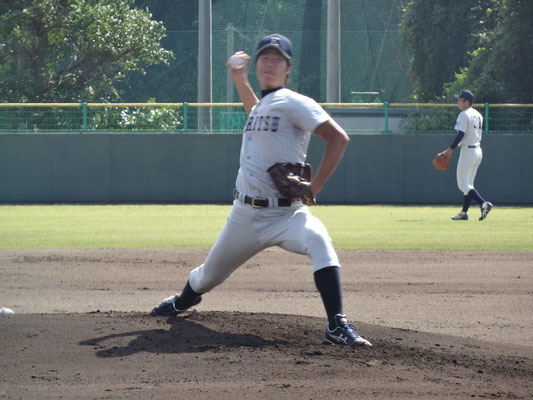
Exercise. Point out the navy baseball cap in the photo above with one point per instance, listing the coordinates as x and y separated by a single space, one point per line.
277 41
465 94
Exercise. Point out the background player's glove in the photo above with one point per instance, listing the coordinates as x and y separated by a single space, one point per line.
441 161
293 181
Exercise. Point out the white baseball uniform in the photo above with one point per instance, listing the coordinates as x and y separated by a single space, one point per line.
278 129
469 121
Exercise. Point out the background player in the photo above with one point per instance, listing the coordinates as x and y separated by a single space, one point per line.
469 130
278 129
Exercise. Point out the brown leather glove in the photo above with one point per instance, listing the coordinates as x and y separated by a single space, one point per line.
293 181
441 161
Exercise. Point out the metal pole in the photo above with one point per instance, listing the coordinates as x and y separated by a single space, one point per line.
387 117
227 116
333 86
185 117
230 49
84 116
204 64
486 117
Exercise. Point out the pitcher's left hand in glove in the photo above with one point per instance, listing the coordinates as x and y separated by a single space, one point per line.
293 181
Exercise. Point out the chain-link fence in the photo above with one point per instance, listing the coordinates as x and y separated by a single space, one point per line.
230 117
371 58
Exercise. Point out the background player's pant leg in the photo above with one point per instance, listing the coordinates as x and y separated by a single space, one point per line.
478 157
466 169
301 232
238 241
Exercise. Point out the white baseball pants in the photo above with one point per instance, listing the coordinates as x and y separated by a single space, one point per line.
249 230
469 161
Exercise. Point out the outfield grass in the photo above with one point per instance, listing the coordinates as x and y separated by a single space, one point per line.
197 226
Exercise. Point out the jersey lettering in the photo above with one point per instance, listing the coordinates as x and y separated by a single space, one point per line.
248 125
266 124
262 123
275 124
254 125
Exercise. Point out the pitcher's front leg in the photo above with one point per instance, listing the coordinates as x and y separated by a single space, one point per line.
236 244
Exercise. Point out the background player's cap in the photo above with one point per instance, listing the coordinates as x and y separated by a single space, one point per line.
465 94
276 41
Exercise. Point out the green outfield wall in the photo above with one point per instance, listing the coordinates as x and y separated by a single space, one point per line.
191 168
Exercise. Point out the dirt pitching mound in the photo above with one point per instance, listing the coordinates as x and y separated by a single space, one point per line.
444 324
206 355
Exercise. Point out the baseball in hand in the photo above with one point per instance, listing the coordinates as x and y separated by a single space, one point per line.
236 62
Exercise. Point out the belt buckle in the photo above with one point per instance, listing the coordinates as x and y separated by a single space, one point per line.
258 199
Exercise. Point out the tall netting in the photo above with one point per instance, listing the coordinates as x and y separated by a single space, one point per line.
370 45
370 59
239 24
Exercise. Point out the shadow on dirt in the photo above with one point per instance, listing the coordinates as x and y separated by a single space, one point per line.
184 336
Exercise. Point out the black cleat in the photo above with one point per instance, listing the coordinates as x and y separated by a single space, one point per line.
167 307
345 333
485 209
462 216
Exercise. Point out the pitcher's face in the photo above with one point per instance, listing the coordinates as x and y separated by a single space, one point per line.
272 69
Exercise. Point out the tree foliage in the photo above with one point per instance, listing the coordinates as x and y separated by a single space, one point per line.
513 54
74 50
438 36
177 81
483 45
499 70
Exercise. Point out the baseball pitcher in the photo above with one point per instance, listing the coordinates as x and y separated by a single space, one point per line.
275 187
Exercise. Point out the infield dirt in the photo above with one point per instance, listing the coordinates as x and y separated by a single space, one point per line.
444 324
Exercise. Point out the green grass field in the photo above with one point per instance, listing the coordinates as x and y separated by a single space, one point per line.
197 226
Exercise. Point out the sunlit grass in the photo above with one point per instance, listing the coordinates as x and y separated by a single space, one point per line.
197 226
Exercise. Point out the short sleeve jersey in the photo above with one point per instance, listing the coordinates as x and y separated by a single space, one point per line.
470 121
278 129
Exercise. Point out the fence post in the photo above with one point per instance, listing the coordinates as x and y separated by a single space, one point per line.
386 104
185 118
84 116
486 117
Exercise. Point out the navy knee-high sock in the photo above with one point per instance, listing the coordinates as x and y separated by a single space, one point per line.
328 283
186 297
473 194
466 203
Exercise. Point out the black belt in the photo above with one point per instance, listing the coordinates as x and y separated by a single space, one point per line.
472 147
261 202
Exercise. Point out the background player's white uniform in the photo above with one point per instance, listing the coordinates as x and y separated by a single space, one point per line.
469 130
469 121
278 130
